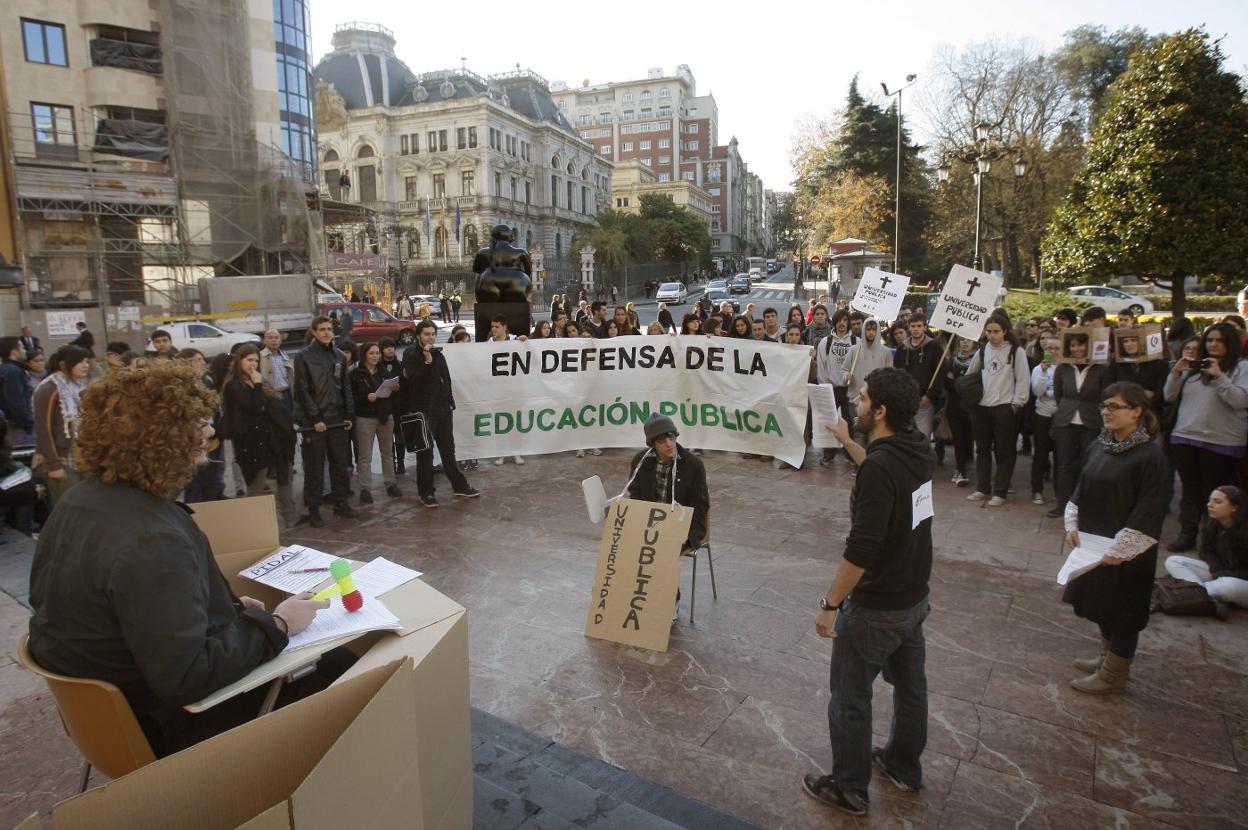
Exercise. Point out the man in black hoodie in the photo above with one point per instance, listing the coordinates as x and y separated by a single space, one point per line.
920 356
878 600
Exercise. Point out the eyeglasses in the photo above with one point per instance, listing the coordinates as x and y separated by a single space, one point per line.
1116 407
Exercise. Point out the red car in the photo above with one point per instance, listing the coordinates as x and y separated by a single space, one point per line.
372 323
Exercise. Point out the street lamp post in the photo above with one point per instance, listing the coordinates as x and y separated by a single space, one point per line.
897 189
982 153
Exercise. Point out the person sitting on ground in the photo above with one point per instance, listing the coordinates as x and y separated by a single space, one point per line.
1223 564
124 585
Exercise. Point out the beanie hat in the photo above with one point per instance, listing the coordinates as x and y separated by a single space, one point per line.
659 425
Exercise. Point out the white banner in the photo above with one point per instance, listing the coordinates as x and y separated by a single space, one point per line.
880 294
968 298
555 395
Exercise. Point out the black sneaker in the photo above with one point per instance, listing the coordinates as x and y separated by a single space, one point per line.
345 510
429 500
824 790
877 756
1056 513
393 490
470 493
314 516
366 497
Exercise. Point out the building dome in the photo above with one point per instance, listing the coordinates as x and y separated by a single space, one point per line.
363 69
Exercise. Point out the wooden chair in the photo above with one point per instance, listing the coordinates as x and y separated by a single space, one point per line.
704 545
98 719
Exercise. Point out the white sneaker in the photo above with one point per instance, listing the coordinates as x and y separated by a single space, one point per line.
595 451
996 501
977 496
519 460
580 453
1037 498
498 462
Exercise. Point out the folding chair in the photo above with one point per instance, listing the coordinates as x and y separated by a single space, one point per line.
704 545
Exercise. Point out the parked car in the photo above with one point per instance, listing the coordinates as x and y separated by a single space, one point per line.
1111 299
210 340
371 323
719 296
740 284
435 305
674 293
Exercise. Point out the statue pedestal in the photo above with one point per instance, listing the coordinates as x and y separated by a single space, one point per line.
519 318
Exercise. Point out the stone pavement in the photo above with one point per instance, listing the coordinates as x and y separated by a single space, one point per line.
735 712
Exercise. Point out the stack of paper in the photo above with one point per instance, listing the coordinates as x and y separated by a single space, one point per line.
292 569
382 575
1088 555
336 621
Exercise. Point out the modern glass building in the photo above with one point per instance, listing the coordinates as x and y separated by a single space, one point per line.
296 90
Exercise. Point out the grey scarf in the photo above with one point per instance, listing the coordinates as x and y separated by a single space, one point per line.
1116 447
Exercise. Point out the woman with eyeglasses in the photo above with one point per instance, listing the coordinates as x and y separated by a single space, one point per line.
1210 424
1122 495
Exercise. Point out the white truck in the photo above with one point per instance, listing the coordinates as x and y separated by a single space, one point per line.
245 304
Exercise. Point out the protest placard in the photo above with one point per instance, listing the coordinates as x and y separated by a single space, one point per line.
824 415
555 395
1138 344
1083 346
965 302
880 294
638 572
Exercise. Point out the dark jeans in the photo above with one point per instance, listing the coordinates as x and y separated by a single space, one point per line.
1123 645
963 434
1042 445
996 437
442 433
1071 443
208 483
868 642
334 445
1200 472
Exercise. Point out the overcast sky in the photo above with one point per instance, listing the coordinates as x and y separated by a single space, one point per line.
767 63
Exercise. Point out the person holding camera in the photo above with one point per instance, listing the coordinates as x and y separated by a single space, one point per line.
1210 396
426 386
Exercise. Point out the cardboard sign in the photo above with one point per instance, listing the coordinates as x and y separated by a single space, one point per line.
1082 346
967 299
880 294
638 573
1138 344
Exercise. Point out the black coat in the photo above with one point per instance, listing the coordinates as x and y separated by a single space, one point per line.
689 489
322 388
365 383
1128 490
426 387
1071 399
1151 374
250 428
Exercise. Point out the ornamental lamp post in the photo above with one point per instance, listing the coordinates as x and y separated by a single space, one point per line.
897 189
983 152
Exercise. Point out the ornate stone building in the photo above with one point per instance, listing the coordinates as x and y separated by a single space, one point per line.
444 156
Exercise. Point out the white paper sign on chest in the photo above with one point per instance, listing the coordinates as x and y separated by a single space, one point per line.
880 294
967 299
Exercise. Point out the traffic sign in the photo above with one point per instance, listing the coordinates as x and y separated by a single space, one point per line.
814 260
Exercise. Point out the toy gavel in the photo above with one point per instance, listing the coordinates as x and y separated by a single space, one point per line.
340 570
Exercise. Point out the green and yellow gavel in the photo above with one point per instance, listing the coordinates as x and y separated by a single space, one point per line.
340 570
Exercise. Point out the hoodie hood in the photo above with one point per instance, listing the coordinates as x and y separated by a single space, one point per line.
909 450
926 339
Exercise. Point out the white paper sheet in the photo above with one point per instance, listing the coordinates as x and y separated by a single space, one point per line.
21 476
382 575
335 621
824 414
387 388
280 569
595 498
1088 555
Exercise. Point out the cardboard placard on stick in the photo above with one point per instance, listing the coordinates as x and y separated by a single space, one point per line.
1138 344
638 573
1083 346
880 294
967 299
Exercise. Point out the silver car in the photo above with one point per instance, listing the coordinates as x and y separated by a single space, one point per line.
674 293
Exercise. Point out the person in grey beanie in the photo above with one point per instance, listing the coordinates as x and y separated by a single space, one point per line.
666 472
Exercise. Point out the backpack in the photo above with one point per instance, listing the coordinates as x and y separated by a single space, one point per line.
1181 598
970 387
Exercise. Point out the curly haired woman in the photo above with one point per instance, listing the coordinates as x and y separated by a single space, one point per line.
124 585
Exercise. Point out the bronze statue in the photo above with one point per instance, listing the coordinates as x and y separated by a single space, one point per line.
504 282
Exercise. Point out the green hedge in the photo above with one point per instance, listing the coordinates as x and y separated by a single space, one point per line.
1195 302
1022 305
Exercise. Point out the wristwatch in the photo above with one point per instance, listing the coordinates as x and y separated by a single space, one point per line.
823 605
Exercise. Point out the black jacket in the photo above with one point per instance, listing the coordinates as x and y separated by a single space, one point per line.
922 364
689 489
1086 401
1224 550
322 387
897 557
1151 374
364 383
125 589
426 387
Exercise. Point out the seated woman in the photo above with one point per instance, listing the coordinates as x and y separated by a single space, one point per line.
124 585
1223 564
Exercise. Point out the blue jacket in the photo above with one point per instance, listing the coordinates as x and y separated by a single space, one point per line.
15 396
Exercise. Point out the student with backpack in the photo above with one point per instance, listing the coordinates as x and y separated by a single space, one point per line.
920 356
832 361
1001 365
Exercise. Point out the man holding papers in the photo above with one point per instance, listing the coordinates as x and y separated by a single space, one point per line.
1121 497
124 585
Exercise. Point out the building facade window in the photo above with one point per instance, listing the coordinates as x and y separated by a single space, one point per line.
528 193
415 142
605 149
498 184
431 141
628 146
714 191
688 175
44 42
296 88
54 130
571 191
584 200
554 191
628 96
513 188
584 120
439 185
665 177
410 191
467 183
646 162
442 141
665 92
716 209
665 143
645 145
461 138
665 159
403 151
472 137
665 112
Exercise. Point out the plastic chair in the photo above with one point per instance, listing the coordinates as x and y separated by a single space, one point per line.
98 719
704 545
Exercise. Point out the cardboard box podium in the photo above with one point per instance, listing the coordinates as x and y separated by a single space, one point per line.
386 746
